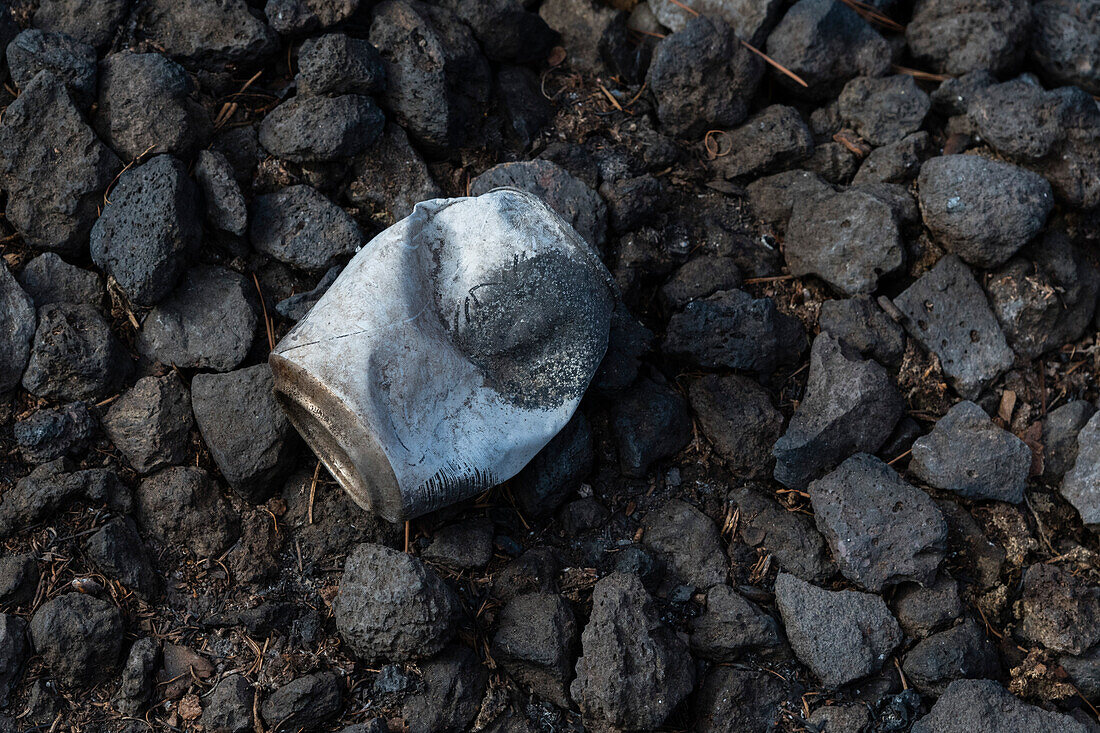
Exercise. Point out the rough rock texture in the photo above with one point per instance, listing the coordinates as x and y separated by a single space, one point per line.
75 355
840 635
730 626
983 706
896 163
17 329
306 702
771 140
960 652
49 279
1060 429
1065 40
651 423
958 36
970 455
292 17
13 648
117 551
52 167
883 111
89 21
300 226
225 205
151 422
750 19
948 314
688 541
393 606
737 700
71 61
535 641
48 434
789 537
209 35
321 129
923 609
454 685
633 670
698 278
737 416
18 578
1059 610
182 506
850 406
229 707
1079 484
556 471
53 486
582 24
861 324
390 177
137 676
982 210
338 64
78 637
882 531
149 229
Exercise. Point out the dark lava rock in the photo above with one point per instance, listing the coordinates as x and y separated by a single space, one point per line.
773 197
247 432
627 342
228 709
293 17
556 471
739 700
882 531
688 541
49 279
52 167
896 163
651 423
94 22
1079 484
52 486
573 201
771 140
78 637
301 227
506 30
532 572
454 685
969 454
1065 40
146 106
463 545
954 95
789 537
958 36
208 322
923 609
948 314
960 652
13 648
750 19
883 111
841 718
632 202
583 515
703 78
733 330
393 606
833 162
151 423
304 703
18 579
826 43
535 641
582 25
861 324
1059 610
136 683
1060 429
982 210
209 35
1046 296
298 305
47 434
849 239
69 60
840 635
633 670
75 355
850 406
970 706
117 551
390 177
149 229
737 416
182 507
437 80
525 110
321 129
731 626
255 556
338 64
225 205
17 326
699 278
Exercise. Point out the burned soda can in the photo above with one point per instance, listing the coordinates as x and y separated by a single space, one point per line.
448 352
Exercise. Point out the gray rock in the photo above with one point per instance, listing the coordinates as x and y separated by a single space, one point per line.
737 416
703 78
733 330
699 278
850 406
968 454
535 641
1084 671
438 81
582 24
454 686
983 706
833 162
146 105
298 305
462 546
49 279
507 31
117 551
960 652
948 314
75 355
840 635
78 637
689 543
954 95
304 703
841 718
650 423
982 210
862 325
18 578
300 226
773 139
94 22
958 36
321 129
1079 485
826 43
13 650
1060 429
882 531
884 111
208 322
181 506
228 709
789 537
225 205
209 35
393 606
750 19
739 700
52 167
294 17
53 486
1059 610
149 229
69 60
534 571
248 434
923 609
899 162
556 471
136 683
390 177
17 324
772 198
633 670
731 626
1064 40
338 64
151 423
568 196
47 434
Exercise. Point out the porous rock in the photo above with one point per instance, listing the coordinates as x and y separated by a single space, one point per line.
390 177
17 329
1059 610
862 325
49 279
209 35
689 542
790 538
771 140
958 36
730 626
308 129
78 637
883 110
71 61
47 434
737 416
225 205
151 422
962 651
1080 481
300 226
651 423
535 641
182 506
977 706
75 355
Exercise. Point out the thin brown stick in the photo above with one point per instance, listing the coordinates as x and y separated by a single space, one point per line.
693 11
313 489
918 74
780 67
872 15
610 97
267 319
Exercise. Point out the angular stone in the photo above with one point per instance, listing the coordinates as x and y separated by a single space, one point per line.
462 546
896 163
305 703
137 676
738 700
17 326
883 111
556 471
970 706
390 177
71 61
182 506
48 434
651 423
688 541
750 19
453 689
49 279
789 537
771 140
209 35
229 707
117 551
18 578
536 640
338 64
1081 484
78 637
300 226
731 626
1060 430
699 278
960 652
75 355
958 36
1059 610
321 129
1065 41
862 325
582 24
225 205
151 423
53 486
13 649
922 610
737 416
94 23
294 17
